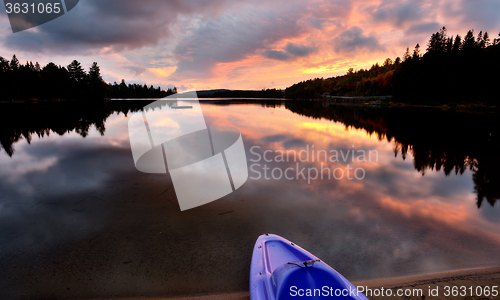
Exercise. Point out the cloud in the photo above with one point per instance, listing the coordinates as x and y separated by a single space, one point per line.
117 24
276 54
298 50
238 71
231 38
480 13
292 51
331 9
317 23
225 43
353 40
398 13
418 17
137 70
274 138
294 143
424 28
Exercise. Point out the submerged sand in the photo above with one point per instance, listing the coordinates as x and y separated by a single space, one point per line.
138 245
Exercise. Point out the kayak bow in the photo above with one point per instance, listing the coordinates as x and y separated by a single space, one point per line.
281 270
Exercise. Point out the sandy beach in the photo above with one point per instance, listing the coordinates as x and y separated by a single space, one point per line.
443 281
440 282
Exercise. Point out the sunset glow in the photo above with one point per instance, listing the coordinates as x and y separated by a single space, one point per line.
239 44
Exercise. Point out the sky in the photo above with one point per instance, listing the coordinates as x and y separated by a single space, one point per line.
249 44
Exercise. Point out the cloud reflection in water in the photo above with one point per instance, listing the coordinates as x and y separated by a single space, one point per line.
81 202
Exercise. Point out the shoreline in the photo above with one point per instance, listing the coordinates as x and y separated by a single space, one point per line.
411 280
441 282
488 276
372 101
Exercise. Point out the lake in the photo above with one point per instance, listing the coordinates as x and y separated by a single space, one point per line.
374 192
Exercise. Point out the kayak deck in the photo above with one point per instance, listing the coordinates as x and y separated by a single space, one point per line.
282 270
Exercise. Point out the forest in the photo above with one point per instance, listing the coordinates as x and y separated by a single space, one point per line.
54 83
264 93
452 70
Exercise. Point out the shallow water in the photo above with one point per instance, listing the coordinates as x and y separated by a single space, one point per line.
78 220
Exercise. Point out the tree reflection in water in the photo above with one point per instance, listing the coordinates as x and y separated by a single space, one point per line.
438 140
22 121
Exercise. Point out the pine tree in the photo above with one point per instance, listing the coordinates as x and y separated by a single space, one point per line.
123 85
437 42
95 73
469 42
457 44
407 55
416 52
449 44
97 86
480 41
14 63
486 39
4 65
76 71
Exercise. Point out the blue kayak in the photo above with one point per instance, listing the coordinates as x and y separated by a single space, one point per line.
282 270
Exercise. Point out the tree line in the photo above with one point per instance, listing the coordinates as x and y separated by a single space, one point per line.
452 69
53 82
264 93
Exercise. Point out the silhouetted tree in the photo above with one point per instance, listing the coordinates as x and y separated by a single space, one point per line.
457 44
469 42
437 43
416 52
451 70
75 71
52 82
407 55
14 63
97 86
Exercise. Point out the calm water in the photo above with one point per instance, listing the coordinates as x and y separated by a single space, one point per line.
78 220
